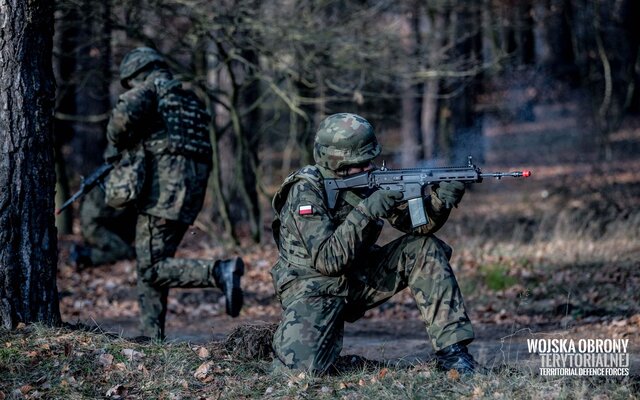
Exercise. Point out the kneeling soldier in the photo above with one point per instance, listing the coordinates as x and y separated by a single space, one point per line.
330 270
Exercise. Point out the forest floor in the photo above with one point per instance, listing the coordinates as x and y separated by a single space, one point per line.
553 256
556 254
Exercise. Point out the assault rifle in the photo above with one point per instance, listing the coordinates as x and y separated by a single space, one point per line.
88 184
410 181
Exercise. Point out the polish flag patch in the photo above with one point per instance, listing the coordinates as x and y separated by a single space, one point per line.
305 210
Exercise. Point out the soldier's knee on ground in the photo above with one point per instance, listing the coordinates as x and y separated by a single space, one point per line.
309 338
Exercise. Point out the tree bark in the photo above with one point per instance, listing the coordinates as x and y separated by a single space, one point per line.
429 112
410 100
463 127
28 244
93 77
65 60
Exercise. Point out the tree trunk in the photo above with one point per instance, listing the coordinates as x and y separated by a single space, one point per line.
251 138
28 244
465 131
93 77
429 112
215 179
410 100
65 44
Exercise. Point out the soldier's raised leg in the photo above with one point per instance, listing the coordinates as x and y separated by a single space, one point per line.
157 240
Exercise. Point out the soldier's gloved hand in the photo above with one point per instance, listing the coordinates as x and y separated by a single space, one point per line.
380 203
450 193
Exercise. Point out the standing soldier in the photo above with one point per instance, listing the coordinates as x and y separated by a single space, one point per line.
170 125
330 270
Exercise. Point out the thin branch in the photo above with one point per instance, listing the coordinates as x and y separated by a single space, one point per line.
96 118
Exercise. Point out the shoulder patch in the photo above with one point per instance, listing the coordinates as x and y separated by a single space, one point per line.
305 210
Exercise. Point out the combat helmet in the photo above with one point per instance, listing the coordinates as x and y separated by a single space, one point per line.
343 140
136 60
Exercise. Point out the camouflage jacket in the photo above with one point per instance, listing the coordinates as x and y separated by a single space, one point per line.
318 246
175 184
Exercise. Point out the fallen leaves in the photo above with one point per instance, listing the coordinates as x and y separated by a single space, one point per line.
203 353
117 392
132 355
105 360
453 375
26 389
478 393
206 372
203 371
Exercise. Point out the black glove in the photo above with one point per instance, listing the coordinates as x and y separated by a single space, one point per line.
450 193
380 203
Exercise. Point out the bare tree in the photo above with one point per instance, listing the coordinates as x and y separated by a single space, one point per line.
28 244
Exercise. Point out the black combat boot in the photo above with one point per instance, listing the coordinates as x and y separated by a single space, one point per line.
80 257
227 275
456 357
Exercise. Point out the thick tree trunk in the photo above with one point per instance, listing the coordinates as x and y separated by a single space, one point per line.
28 245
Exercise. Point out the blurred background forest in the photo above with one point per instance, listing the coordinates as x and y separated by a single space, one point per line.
551 86
432 77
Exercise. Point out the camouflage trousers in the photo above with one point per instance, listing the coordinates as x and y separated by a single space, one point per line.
310 334
157 240
106 246
107 231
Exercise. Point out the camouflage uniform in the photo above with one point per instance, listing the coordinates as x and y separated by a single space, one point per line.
330 270
173 194
108 232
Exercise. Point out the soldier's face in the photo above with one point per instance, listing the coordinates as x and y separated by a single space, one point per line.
135 81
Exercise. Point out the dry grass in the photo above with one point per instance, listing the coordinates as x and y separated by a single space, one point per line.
37 362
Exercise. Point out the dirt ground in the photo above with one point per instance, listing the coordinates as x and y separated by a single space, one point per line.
554 256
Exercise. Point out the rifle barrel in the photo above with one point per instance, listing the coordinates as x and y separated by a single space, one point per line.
87 185
515 174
